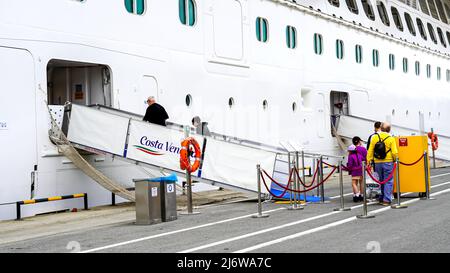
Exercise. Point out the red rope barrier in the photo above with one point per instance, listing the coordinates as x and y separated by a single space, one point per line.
275 182
328 164
387 179
271 193
285 188
412 164
313 179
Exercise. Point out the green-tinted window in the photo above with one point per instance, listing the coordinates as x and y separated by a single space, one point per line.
375 58
438 73
318 44
405 65
428 71
391 61
358 53
187 12
291 37
339 49
417 68
135 6
261 29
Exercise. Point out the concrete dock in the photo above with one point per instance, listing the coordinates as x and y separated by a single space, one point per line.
228 227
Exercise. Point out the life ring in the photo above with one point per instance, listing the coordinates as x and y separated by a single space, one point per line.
434 141
185 163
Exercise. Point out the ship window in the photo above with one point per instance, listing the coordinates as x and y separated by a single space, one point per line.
318 44
432 33
428 71
448 75
410 24
265 104
441 37
397 18
135 6
231 102
187 12
405 65
368 9
188 100
383 13
294 107
358 54
340 49
291 37
334 3
375 57
433 9
261 29
352 6
421 29
441 11
417 68
391 61
424 7
438 73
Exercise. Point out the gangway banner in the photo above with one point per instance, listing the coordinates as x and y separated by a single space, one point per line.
224 162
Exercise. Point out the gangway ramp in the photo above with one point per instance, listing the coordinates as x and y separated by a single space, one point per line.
125 136
350 126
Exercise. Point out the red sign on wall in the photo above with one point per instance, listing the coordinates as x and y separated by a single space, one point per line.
403 142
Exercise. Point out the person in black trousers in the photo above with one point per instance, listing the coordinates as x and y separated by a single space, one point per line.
155 112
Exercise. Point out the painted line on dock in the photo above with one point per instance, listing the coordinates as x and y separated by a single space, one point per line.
324 227
192 228
174 232
267 230
279 227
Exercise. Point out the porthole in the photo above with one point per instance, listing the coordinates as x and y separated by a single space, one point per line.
231 102
188 100
265 104
294 107
407 113
393 112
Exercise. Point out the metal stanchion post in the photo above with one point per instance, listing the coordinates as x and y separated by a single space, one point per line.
365 214
190 210
289 177
341 189
296 187
322 188
260 214
303 176
397 185
427 178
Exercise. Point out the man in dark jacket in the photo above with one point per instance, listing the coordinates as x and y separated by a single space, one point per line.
155 113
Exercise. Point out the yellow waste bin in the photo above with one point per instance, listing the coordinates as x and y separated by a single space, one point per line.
412 169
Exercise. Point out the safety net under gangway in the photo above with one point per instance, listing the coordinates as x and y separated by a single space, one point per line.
65 147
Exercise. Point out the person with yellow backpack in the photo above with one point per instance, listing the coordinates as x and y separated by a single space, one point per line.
383 152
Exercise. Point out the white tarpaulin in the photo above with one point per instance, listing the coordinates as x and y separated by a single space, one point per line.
235 164
224 162
93 128
154 144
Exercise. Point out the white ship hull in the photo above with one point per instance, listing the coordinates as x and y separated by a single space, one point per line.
48 47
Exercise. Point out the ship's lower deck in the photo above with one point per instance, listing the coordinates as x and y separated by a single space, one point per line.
230 228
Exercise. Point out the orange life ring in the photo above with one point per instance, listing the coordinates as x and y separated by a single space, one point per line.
434 141
185 163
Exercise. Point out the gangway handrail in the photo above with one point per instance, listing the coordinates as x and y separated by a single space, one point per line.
394 125
223 137
217 136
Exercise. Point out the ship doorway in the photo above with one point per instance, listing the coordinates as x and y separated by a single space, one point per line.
79 83
338 107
